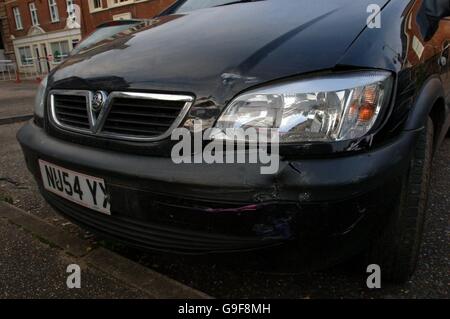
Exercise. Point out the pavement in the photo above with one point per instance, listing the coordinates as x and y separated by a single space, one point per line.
244 276
30 268
35 258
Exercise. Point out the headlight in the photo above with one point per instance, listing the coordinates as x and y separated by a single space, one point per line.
323 109
40 99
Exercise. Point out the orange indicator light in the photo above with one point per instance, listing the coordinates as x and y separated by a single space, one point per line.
366 113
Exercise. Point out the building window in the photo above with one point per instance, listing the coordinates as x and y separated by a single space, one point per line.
54 14
75 43
18 18
96 5
26 58
33 13
60 50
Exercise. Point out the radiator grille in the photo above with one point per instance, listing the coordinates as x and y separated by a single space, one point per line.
123 115
141 117
71 110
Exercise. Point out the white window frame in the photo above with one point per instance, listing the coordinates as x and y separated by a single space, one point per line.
28 62
18 18
33 14
55 62
92 7
118 3
54 13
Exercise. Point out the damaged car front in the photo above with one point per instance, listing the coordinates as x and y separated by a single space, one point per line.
346 102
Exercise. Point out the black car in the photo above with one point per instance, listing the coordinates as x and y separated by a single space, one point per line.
357 91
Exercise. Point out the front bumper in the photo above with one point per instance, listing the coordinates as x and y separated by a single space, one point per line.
317 205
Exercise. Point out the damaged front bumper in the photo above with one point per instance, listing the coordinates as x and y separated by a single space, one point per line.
316 205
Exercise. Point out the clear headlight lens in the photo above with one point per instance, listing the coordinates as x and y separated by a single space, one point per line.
330 108
40 99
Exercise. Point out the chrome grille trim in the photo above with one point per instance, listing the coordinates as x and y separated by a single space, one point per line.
52 108
96 123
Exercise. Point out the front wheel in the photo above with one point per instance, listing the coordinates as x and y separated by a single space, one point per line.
397 250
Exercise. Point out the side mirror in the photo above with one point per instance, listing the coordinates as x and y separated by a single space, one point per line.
430 14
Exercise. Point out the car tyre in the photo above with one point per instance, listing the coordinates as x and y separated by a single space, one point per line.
397 249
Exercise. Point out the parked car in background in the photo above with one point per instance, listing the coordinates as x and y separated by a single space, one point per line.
359 111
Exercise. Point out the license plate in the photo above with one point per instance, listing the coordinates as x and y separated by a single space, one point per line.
84 190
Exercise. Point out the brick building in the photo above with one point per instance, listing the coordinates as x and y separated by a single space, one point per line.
41 33
6 46
39 29
2 48
96 12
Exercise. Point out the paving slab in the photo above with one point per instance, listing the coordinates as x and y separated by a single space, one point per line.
34 256
30 268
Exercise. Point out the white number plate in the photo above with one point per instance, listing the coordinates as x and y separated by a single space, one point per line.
87 191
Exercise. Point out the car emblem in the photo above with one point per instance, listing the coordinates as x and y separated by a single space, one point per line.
98 101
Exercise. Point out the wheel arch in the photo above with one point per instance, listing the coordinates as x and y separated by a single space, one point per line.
430 102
